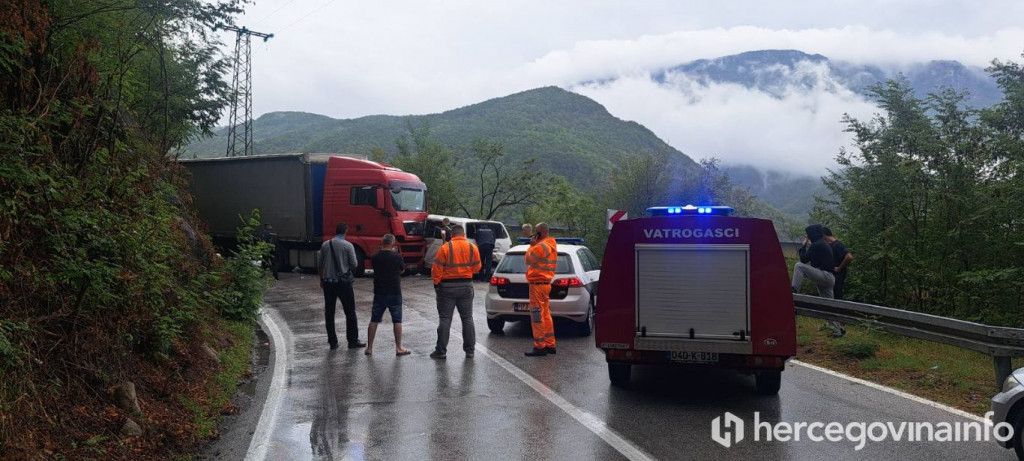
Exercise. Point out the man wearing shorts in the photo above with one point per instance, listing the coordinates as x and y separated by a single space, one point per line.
388 266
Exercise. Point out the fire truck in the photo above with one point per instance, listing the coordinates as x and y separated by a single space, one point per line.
693 286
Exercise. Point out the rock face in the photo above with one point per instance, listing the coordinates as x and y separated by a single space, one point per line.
211 353
126 399
131 428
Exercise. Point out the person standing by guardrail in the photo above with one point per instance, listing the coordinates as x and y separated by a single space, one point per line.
452 272
335 264
816 263
842 256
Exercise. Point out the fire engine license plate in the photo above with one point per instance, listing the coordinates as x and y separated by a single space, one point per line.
521 307
693 357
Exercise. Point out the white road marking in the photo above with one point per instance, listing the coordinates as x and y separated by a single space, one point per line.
591 422
892 391
268 417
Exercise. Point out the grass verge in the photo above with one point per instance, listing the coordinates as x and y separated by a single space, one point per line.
956 377
234 365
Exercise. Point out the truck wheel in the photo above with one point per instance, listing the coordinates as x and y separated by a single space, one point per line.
361 268
586 327
496 326
619 374
768 382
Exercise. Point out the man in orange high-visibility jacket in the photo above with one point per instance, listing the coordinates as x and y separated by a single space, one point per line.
454 265
541 262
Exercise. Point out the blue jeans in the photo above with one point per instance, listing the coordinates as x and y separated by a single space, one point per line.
393 303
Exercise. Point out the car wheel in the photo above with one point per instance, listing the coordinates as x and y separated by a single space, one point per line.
1018 433
768 382
360 270
496 326
619 374
586 327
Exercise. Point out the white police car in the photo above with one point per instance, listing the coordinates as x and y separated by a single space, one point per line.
573 291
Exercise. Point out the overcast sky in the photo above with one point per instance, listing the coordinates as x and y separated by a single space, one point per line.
348 59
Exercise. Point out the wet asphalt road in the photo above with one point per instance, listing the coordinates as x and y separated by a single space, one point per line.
344 405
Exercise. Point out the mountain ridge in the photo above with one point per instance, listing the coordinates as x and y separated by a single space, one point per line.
574 135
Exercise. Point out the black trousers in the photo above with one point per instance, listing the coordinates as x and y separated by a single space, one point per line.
486 260
343 291
837 289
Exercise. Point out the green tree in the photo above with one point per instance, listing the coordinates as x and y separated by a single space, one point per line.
641 183
926 201
497 183
435 165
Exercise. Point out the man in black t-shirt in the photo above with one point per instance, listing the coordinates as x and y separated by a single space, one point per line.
388 266
842 257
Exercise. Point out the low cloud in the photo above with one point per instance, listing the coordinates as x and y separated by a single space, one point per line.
796 129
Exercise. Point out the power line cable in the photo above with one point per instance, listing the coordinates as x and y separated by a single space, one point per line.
289 2
306 16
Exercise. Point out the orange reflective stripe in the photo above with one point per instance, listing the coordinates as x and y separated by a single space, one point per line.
457 263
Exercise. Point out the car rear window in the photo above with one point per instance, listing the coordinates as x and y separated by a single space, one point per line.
515 263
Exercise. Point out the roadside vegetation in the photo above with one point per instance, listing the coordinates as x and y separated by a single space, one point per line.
956 377
930 201
121 331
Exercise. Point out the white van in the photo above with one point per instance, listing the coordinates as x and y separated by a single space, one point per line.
432 234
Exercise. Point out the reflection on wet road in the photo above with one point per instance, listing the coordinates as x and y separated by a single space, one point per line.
342 404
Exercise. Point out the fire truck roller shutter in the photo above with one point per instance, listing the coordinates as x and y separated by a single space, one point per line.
698 291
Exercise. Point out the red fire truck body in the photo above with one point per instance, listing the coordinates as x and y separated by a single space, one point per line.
696 289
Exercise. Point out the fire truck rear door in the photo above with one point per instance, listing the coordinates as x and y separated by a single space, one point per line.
698 291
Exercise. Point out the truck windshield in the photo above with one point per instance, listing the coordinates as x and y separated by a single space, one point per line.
409 199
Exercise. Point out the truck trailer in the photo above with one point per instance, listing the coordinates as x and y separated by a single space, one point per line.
303 196
694 287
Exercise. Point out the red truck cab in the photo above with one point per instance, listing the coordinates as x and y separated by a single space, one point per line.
693 286
375 199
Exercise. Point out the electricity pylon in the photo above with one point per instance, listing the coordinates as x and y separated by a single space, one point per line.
241 92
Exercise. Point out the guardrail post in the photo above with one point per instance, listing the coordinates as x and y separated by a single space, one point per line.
1002 370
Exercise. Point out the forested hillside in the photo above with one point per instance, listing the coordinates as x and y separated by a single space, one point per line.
122 334
571 135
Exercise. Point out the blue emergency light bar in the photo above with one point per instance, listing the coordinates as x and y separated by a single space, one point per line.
690 210
565 240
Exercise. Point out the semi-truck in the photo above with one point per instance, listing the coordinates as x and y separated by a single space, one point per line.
304 196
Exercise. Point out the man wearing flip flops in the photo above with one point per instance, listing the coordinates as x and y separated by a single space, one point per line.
387 292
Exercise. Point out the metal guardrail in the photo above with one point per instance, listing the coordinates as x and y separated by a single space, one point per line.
1000 343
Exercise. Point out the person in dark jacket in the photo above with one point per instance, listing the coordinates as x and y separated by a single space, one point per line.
485 242
842 257
816 264
273 257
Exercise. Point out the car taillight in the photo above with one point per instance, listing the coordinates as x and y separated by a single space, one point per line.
568 282
499 281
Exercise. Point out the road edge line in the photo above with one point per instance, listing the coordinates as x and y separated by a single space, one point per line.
896 392
589 421
268 416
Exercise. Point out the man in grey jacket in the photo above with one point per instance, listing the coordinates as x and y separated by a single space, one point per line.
335 264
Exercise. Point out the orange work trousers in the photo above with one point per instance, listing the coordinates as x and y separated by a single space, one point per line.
540 315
